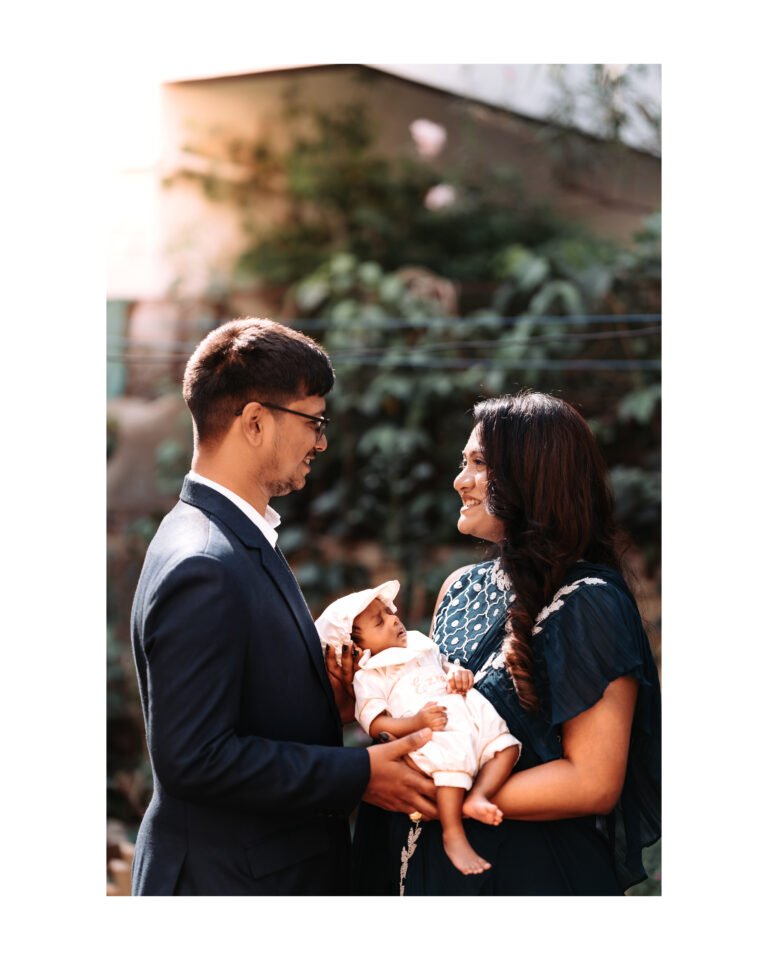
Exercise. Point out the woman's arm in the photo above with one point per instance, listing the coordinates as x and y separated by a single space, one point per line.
451 578
590 776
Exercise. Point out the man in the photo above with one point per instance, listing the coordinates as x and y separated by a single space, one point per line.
252 787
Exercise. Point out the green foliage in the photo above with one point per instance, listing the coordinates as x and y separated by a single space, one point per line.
495 302
651 887
171 464
128 774
408 375
112 436
342 196
639 405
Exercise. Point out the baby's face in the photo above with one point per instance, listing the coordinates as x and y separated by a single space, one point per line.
376 628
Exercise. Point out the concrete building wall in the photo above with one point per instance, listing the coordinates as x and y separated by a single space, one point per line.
174 241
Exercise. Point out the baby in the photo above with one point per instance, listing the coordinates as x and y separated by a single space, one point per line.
403 684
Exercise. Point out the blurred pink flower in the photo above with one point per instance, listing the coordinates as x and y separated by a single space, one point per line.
429 137
612 71
439 196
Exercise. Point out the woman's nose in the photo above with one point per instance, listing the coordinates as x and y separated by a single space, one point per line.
462 480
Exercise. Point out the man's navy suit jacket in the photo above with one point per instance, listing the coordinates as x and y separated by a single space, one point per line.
252 787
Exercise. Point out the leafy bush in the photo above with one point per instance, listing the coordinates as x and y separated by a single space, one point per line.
408 375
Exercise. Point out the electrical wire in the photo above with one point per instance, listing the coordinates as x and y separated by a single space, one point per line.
418 357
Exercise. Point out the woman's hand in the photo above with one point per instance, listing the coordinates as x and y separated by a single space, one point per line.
432 715
341 677
460 680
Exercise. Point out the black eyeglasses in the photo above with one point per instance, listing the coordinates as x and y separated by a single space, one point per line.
320 422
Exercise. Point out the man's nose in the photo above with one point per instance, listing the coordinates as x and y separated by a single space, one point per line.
321 444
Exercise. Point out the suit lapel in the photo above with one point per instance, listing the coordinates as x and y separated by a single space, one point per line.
272 560
277 567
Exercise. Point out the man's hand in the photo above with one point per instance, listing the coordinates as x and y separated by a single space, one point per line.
432 715
394 785
460 680
341 677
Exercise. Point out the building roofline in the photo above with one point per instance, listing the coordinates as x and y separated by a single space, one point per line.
421 84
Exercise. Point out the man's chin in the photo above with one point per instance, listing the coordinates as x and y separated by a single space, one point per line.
288 486
297 483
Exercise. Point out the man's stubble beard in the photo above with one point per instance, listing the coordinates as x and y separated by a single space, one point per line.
280 487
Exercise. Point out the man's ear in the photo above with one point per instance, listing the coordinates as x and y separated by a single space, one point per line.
252 422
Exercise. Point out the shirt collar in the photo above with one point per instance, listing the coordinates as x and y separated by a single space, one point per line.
266 523
417 643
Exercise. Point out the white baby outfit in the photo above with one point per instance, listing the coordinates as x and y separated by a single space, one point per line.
401 680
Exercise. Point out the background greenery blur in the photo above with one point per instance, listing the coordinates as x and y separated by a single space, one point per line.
424 307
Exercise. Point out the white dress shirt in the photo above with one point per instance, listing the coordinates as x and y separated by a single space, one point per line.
267 523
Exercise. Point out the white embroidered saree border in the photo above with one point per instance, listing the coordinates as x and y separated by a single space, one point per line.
406 853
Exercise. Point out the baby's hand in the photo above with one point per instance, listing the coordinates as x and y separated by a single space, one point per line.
433 715
460 680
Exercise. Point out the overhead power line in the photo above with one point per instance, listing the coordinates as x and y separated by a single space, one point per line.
413 361
397 323
421 356
652 322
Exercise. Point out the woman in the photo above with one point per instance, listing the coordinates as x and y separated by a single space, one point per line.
554 638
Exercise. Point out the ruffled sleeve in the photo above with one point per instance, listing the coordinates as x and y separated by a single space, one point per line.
371 691
590 635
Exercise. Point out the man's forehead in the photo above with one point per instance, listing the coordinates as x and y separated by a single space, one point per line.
314 404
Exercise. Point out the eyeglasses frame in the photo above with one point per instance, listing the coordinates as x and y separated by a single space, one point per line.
321 422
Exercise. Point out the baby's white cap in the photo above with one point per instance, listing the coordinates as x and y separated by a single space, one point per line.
335 622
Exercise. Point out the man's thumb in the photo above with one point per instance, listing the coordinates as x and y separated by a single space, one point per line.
411 742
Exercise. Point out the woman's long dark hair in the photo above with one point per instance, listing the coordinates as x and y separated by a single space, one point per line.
548 484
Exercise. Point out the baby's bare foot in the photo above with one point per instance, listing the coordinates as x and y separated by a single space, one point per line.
480 808
461 854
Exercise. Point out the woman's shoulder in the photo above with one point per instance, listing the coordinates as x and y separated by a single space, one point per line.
589 634
586 587
451 579
593 610
462 577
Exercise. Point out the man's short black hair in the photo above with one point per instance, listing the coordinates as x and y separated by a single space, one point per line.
251 359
